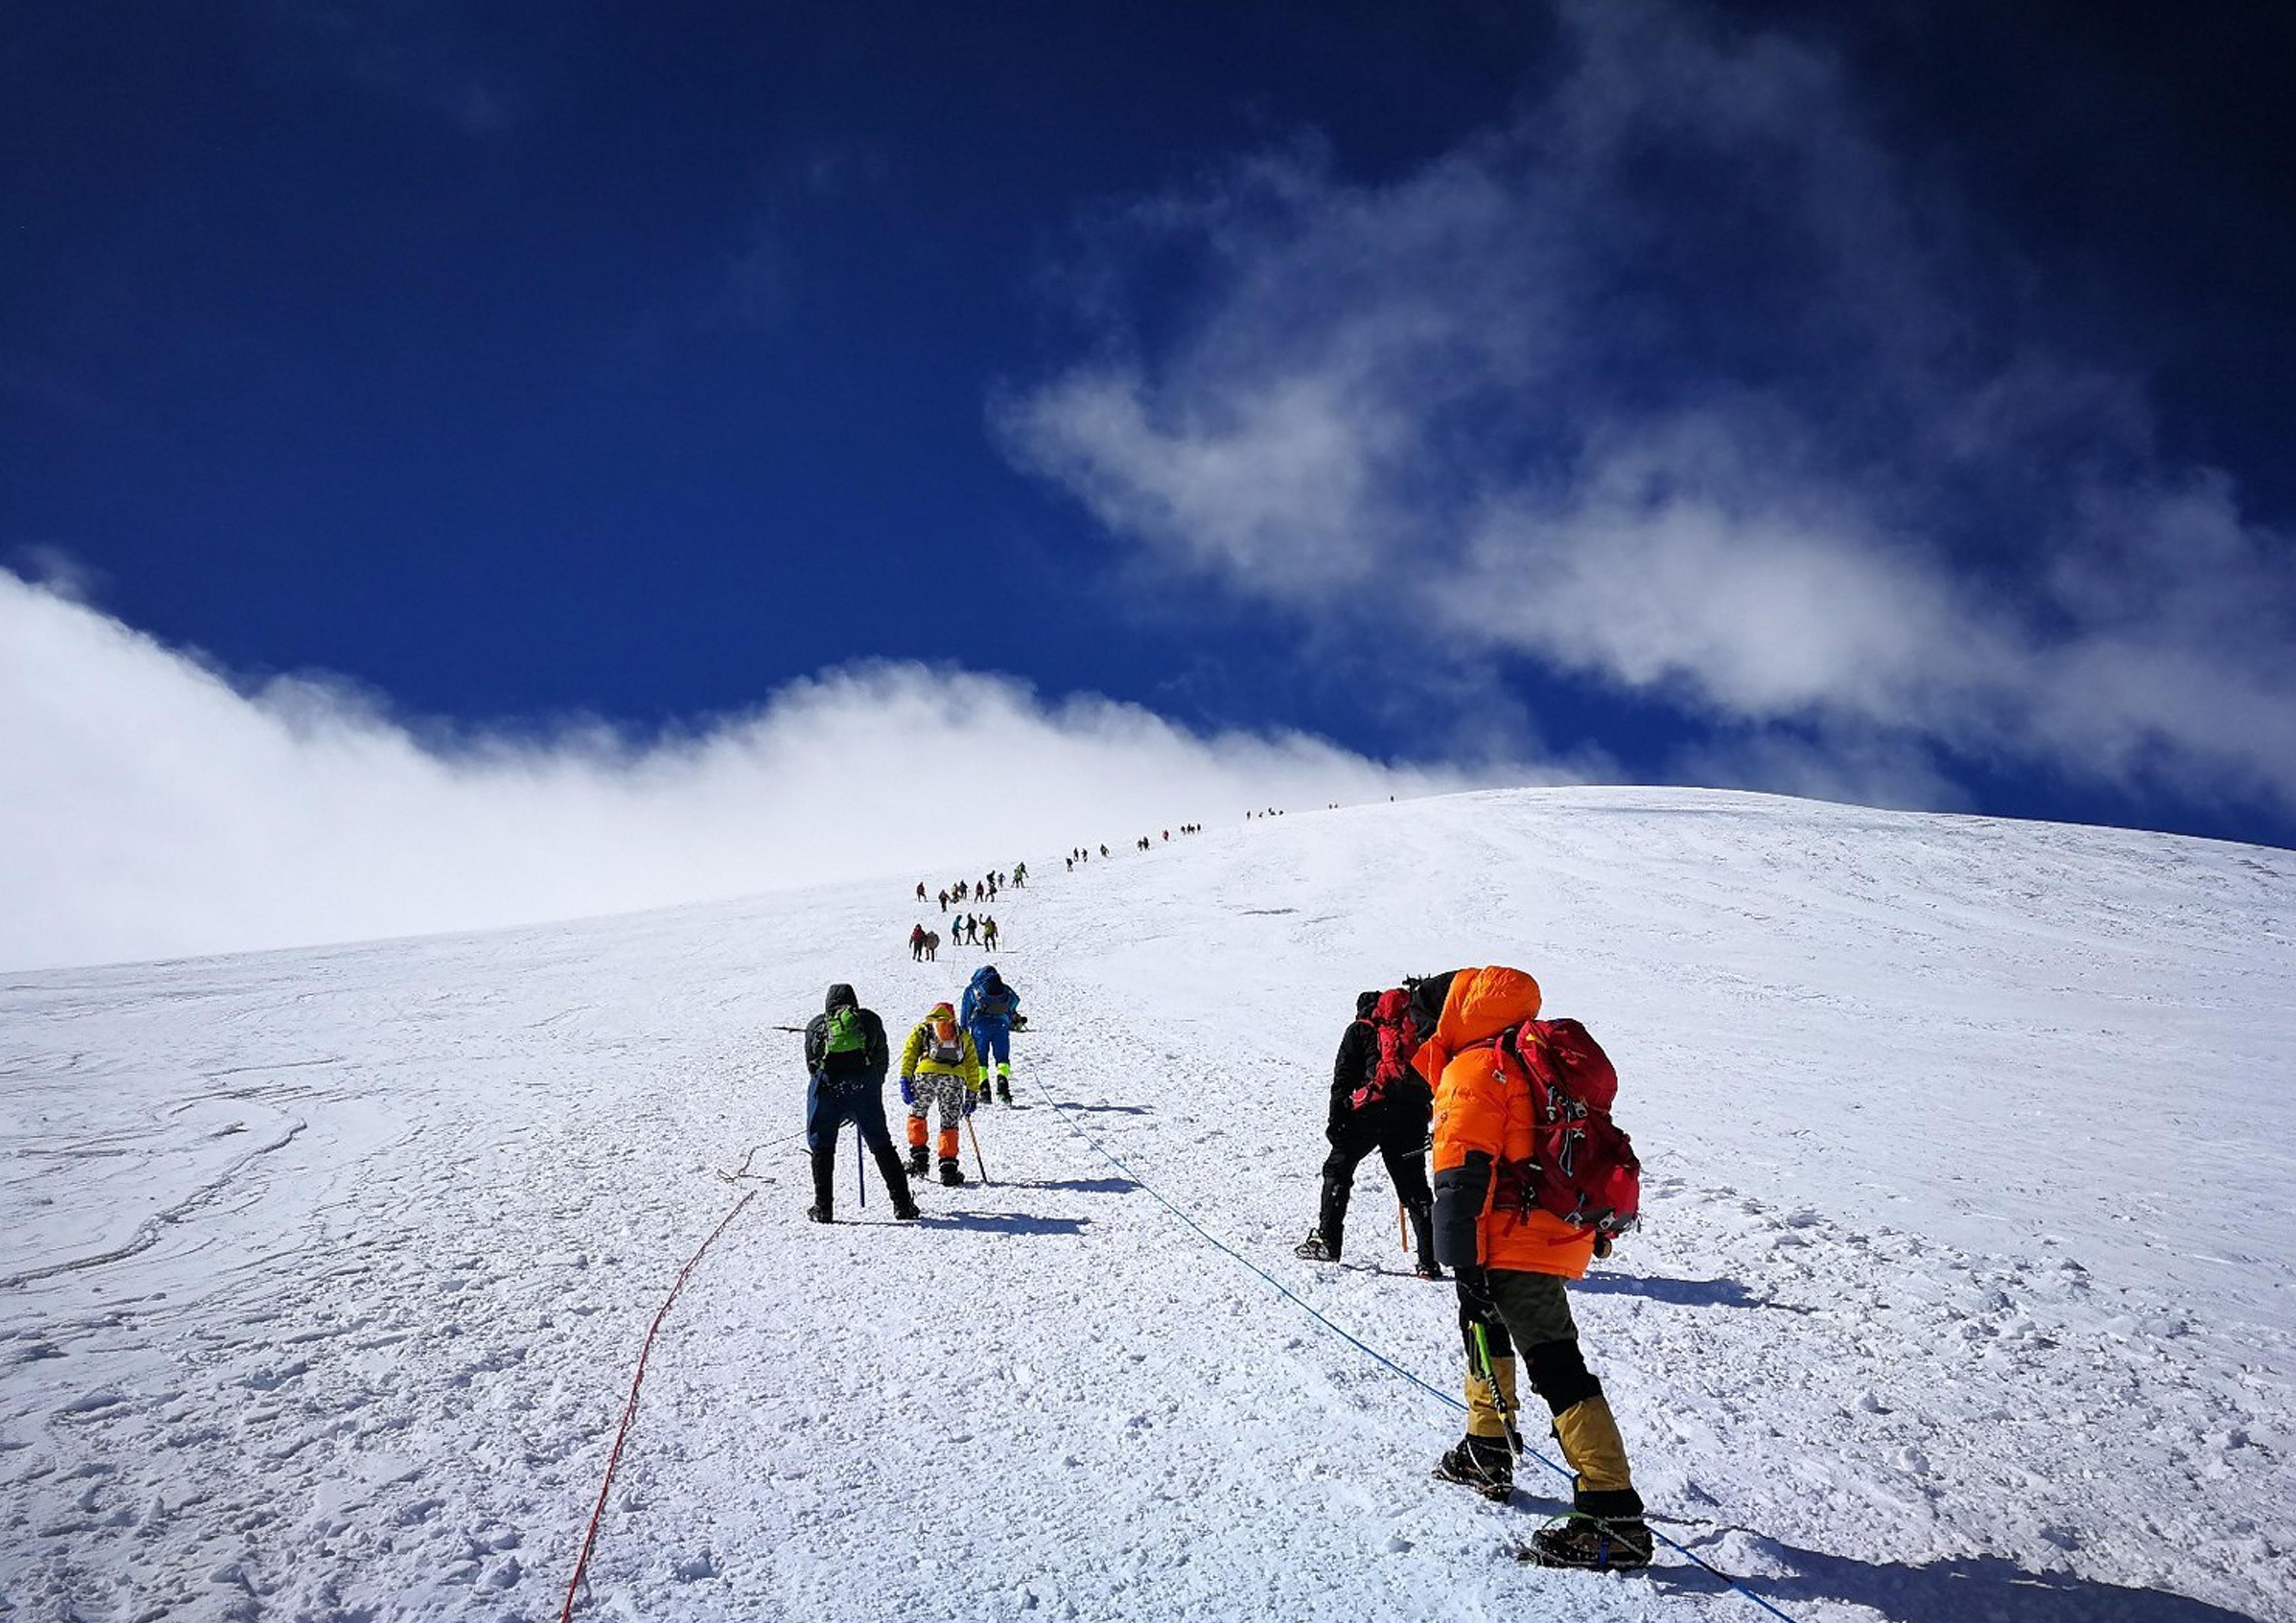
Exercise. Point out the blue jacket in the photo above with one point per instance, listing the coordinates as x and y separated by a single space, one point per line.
977 991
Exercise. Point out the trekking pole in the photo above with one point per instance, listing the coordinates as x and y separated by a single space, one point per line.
973 1133
1403 1227
860 1178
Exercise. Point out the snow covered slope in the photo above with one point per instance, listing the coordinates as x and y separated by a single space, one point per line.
1964 1288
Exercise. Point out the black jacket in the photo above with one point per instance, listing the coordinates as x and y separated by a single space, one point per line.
877 1056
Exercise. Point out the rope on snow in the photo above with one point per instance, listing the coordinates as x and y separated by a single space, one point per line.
630 1408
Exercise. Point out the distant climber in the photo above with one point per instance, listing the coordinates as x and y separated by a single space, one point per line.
845 1060
1511 1256
1377 1102
989 933
932 947
939 1066
989 1011
917 943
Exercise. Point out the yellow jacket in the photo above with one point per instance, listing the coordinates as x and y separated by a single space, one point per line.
924 1054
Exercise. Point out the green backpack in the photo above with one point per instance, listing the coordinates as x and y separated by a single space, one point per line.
846 1045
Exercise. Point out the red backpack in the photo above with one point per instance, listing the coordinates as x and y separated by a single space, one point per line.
1582 1167
1392 1076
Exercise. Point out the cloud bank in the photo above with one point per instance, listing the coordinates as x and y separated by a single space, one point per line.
1685 383
155 808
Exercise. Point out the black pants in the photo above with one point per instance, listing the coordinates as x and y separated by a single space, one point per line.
1401 1137
831 1102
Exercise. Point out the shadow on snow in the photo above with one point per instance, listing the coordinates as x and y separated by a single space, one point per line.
1955 1589
1003 1223
1681 1292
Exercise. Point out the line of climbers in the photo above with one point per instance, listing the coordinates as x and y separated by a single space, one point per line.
974 929
945 1064
1532 1181
987 890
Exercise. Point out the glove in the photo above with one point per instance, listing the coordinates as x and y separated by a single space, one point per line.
970 1099
1602 1245
1020 1022
908 1091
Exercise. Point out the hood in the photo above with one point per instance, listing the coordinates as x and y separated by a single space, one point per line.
988 977
1366 1001
1481 1004
1389 1006
840 996
940 1014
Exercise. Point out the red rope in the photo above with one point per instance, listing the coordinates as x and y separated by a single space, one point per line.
630 1409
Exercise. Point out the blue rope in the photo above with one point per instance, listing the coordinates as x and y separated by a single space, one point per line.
1369 1351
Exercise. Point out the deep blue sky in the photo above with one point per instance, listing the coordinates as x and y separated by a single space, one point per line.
524 360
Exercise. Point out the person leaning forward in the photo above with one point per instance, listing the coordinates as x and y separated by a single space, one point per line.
1512 1259
846 1058
1378 1102
939 1066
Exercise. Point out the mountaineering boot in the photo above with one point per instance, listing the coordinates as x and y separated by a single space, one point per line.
823 1209
1003 1084
897 1183
1312 1248
1603 1491
918 1161
1422 1231
1332 1218
1484 1464
1593 1545
951 1174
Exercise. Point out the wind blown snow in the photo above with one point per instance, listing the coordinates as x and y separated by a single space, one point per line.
1963 1290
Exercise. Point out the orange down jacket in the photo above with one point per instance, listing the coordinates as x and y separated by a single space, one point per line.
1482 1133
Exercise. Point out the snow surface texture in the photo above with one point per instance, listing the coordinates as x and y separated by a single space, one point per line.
1963 1291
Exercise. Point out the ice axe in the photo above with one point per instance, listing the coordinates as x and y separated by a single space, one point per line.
1481 1335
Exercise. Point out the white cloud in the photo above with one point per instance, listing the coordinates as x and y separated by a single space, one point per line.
1765 435
156 808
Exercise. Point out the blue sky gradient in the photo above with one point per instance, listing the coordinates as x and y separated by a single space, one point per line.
1344 369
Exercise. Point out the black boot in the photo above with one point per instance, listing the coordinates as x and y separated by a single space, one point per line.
1484 1464
951 1174
918 1161
1422 1231
897 1183
824 1210
1313 1248
1332 1218
1592 1544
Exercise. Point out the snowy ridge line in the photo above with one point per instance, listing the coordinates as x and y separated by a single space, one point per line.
147 1232
1286 1292
630 1408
